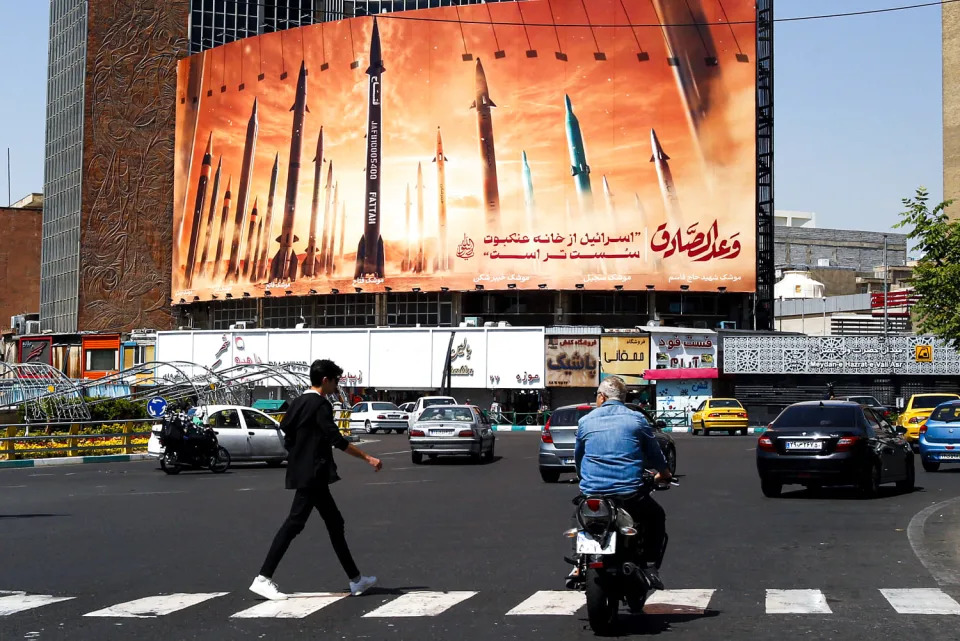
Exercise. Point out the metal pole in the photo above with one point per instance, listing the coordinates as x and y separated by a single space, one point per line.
803 316
9 198
824 316
885 271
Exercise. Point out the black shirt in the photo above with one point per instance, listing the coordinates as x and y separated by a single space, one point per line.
310 433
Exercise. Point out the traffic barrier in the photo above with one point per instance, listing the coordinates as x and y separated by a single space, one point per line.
69 440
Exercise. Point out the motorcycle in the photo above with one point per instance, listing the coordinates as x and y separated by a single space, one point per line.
188 444
607 558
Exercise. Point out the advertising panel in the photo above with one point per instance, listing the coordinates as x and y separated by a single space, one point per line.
520 144
290 347
683 395
626 357
515 359
572 361
677 351
401 359
468 358
348 349
36 350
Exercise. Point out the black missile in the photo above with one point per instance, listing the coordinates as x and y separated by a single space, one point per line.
370 259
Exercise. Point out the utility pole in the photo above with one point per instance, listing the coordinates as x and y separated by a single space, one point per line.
825 332
9 197
886 270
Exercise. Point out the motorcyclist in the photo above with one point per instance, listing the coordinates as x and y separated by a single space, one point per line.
614 446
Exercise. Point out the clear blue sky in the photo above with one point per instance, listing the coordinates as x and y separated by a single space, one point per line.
858 107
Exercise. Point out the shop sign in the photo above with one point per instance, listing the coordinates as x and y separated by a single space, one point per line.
681 351
572 362
626 357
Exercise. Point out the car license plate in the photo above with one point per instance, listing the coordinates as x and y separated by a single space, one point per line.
568 461
586 544
803 445
950 457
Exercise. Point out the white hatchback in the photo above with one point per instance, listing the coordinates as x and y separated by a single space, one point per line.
246 433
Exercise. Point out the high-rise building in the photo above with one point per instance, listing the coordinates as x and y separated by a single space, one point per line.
951 105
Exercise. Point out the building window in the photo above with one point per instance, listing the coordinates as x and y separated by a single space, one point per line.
225 314
101 360
346 310
412 309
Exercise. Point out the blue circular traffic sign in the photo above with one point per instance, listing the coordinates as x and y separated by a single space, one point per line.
156 407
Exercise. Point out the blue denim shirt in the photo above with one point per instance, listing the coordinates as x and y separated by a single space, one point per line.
614 445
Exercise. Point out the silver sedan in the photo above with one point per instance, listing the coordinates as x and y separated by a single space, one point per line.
452 430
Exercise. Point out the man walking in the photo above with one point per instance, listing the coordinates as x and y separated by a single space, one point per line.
310 433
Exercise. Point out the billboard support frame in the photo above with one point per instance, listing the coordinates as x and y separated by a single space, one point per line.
763 297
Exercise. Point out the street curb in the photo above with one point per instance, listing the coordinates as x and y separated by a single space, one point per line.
76 460
673 430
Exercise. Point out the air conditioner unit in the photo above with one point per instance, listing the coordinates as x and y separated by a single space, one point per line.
471 321
490 324
823 262
653 322
727 325
32 327
17 323
239 325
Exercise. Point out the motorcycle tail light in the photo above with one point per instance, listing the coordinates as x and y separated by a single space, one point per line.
594 504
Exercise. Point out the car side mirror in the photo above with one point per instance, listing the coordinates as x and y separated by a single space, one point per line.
660 423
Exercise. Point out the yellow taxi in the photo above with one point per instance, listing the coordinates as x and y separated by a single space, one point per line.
918 410
724 414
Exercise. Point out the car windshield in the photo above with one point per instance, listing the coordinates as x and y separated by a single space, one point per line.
383 407
430 402
947 414
715 403
864 400
462 414
927 402
830 417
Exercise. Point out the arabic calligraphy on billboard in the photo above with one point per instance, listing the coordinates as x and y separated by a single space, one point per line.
626 357
419 159
675 351
572 362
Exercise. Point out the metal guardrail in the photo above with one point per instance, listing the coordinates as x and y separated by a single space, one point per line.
72 437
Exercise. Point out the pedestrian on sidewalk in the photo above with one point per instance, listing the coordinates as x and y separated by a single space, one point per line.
310 433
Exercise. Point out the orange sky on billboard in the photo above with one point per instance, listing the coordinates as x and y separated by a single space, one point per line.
604 161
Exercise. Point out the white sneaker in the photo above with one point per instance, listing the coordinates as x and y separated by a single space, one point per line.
361 586
266 588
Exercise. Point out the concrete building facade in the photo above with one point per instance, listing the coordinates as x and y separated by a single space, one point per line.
951 104
798 247
19 262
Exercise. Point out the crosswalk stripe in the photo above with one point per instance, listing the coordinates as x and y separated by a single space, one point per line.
420 604
551 602
14 602
297 606
921 601
155 606
797 602
678 601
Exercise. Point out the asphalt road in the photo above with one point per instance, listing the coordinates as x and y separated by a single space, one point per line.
487 535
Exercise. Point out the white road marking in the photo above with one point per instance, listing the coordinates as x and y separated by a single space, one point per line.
797 602
921 601
420 604
20 601
155 606
297 606
930 559
401 482
551 602
689 601
389 453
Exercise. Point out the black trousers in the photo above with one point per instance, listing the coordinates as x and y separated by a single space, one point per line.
303 501
651 522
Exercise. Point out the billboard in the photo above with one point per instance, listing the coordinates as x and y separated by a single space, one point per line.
625 356
516 144
572 361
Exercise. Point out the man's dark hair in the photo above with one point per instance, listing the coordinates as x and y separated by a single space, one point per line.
324 368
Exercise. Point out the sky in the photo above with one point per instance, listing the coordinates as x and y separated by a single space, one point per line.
858 107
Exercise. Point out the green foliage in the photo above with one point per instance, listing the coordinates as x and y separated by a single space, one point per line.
116 409
937 276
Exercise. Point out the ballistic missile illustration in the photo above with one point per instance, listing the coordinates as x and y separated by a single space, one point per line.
641 212
205 169
218 257
579 168
406 243
418 265
329 266
211 214
488 157
343 226
268 224
327 244
528 200
255 251
671 204
284 264
608 198
243 197
370 258
443 255
251 247
311 263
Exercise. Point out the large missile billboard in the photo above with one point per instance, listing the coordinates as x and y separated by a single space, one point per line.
595 145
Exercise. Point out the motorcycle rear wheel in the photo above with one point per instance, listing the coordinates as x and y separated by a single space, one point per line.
170 464
220 461
602 606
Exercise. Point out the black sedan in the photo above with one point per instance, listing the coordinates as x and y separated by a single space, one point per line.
821 443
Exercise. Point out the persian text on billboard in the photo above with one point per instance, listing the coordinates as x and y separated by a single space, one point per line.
442 153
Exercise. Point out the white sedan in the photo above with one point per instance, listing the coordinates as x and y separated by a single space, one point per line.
246 433
374 416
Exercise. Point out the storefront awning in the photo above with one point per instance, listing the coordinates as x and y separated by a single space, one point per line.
681 373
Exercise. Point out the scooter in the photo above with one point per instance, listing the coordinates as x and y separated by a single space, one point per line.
607 557
187 444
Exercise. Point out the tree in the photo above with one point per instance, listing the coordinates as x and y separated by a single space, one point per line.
936 278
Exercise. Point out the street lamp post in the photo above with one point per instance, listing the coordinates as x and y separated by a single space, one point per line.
885 293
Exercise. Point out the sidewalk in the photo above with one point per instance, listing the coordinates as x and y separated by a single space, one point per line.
75 460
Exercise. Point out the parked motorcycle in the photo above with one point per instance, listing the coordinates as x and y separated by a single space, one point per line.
188 444
607 558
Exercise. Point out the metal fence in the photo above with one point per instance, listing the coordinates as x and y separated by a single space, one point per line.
69 439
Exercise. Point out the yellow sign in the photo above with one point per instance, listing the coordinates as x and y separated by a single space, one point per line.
923 353
51 389
626 357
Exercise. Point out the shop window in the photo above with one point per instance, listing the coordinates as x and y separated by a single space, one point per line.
101 360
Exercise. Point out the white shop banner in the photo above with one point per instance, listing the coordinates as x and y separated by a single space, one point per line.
468 358
289 347
515 358
350 349
400 359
